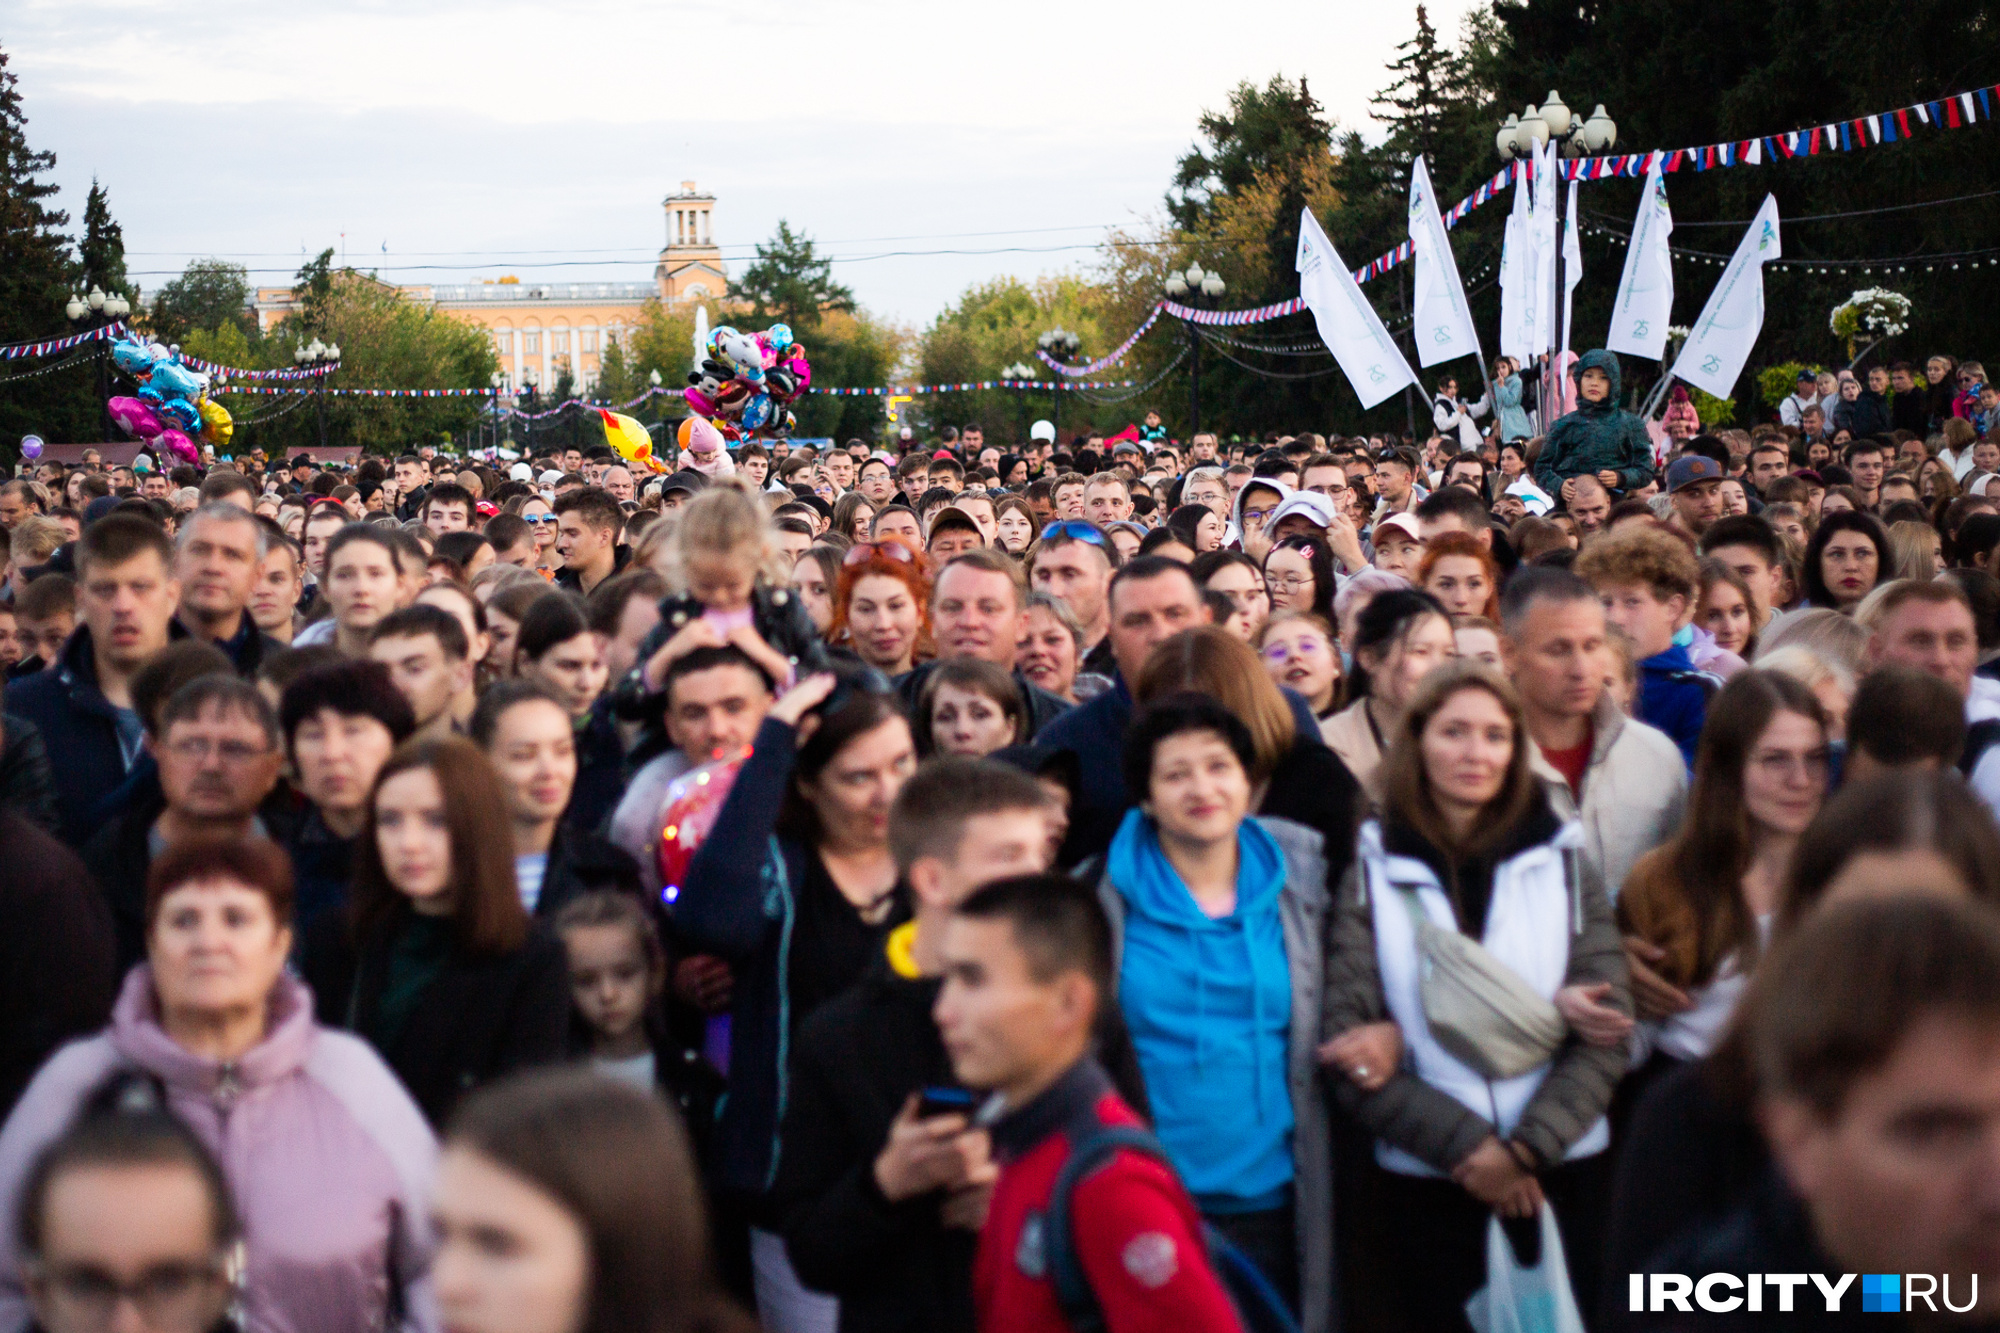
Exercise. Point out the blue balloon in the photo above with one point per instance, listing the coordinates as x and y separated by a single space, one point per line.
756 411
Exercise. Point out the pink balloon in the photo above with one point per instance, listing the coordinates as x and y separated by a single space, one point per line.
180 447
135 416
699 401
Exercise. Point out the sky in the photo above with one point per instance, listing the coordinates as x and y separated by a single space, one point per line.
925 146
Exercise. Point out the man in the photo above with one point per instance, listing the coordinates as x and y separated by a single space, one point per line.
155 486
1648 579
1870 413
1929 626
1027 970
952 534
1322 474
1074 566
1150 600
18 501
44 616
217 562
1590 505
1866 462
1205 486
882 1203
126 595
1454 509
979 508
979 609
839 469
1750 546
1812 424
972 440
1907 408
618 480
412 474
1902 720
429 661
322 521
1694 486
217 747
587 525
1805 394
1067 495
897 523
1396 479
1106 500
877 481
1897 486
449 508
1201 448
1619 777
513 540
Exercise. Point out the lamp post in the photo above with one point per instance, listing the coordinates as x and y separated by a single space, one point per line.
320 359
1061 345
1019 373
1190 287
498 379
528 382
94 312
1520 138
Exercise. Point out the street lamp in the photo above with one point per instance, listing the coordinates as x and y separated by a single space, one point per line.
1060 345
95 312
1191 286
321 359
1019 373
498 379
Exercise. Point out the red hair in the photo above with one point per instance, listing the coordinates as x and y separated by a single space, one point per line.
1463 543
914 574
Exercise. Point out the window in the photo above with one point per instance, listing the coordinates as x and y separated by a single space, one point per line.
590 340
559 343
531 342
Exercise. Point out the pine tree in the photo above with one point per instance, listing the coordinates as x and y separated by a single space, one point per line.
791 282
1416 104
34 253
103 249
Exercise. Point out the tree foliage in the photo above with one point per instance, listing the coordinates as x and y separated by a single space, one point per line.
103 248
791 282
209 294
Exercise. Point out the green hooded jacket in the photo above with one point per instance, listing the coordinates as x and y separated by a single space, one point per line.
1597 437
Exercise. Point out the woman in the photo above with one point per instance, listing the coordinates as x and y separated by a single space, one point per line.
1198 526
1935 480
1940 389
1167 543
1841 500
1916 551
326 1155
1727 611
1216 928
1461 574
1014 520
1240 579
567 1203
1298 576
535 512
1050 653
504 610
796 889
814 576
1513 463
882 606
1507 392
1299 653
1399 638
853 515
1789 521
556 650
1847 556
1467 843
437 963
969 707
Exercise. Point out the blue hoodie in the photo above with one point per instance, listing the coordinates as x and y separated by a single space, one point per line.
1209 1005
1673 696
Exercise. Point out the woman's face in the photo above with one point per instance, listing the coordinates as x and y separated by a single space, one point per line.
1833 502
1734 501
216 948
1479 643
852 794
1424 647
857 529
1047 655
146 1226
1818 454
1289 581
1208 530
413 837
510 1258
1936 368
1511 464
1127 543
1395 553
883 619
1016 530
573 670
534 749
1792 526
1849 563
502 629
1466 748
968 722
1245 589
1727 616
1460 582
1828 384
1784 779
1297 655
809 581
1198 792
542 519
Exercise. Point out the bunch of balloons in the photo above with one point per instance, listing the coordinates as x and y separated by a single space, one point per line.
172 405
746 382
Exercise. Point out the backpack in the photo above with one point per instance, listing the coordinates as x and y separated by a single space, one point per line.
1259 1307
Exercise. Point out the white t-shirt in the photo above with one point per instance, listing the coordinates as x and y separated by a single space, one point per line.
635 1070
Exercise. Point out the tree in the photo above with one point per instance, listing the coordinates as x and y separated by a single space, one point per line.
314 289
1415 104
791 283
103 248
209 294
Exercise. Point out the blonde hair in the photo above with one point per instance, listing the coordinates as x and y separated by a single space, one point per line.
1834 639
726 521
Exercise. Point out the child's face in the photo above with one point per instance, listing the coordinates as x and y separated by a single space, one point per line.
1594 385
721 583
1648 622
609 977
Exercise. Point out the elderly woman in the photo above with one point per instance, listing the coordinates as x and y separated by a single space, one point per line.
1050 652
329 1160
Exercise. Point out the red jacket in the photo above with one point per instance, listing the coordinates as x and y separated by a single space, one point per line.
1138 1236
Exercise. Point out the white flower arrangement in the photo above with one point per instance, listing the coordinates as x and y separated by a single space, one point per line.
1876 311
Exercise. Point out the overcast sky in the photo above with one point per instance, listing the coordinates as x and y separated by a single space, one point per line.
538 140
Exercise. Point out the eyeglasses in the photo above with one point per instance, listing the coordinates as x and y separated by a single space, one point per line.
862 552
1258 516
1288 583
1074 531
1308 646
537 518
168 1296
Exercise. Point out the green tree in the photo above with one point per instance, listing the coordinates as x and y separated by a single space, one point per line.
313 289
790 282
103 247
209 294
1416 104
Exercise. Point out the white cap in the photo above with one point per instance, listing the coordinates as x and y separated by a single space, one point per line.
520 472
551 477
1043 430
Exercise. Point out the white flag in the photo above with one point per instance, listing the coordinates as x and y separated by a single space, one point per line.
1716 351
1645 304
1572 263
1544 335
1517 286
1442 323
1348 325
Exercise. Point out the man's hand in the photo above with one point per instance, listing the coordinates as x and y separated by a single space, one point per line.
1652 994
697 633
1367 1054
1583 1008
705 982
965 1207
935 1154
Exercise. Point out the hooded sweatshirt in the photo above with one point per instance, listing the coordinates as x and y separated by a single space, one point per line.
1597 437
1209 1005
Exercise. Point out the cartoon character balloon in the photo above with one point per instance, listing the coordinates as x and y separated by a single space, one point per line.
745 382
171 404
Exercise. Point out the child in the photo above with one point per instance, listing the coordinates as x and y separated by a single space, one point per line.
1598 438
722 560
45 615
1647 578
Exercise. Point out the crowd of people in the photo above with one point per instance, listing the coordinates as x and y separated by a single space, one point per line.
1015 887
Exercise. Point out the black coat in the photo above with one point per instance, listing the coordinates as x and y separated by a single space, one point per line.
481 1018
580 863
27 782
58 976
79 725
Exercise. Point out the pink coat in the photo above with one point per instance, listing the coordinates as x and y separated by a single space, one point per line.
329 1160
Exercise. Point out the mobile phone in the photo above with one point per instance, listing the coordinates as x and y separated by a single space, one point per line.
946 1101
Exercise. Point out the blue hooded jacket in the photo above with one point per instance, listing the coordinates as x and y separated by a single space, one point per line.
1208 1002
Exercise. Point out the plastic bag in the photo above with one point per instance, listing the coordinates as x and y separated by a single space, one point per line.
1525 1300
687 813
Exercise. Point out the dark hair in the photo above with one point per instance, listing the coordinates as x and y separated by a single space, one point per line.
707 659
1176 715
487 914
460 547
1845 520
417 620
1056 922
1900 715
970 673
1144 567
224 693
1982 595
506 531
1184 523
166 671
1319 556
553 618
615 1159
861 713
604 609
257 863
1407 790
930 813
1898 812
597 507
1456 501
119 537
350 688
1744 530
499 697
1382 624
451 493
375 533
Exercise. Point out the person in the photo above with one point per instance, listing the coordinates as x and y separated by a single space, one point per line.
1199 528
1216 915
969 707
276 594
1845 560
436 963
1461 574
1751 546
1240 579
1467 842
1599 439
365 580
1903 720
291 1110
555 650
1508 389
1646 577
1027 971
1298 576
588 520
1299 652
979 610
429 658
1399 638
815 576
1073 562
340 723
1050 650
1726 612
881 1197
1929 626
527 734
568 1203
795 888
622 611
218 556
882 606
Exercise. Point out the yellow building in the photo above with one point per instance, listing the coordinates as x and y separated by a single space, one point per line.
540 329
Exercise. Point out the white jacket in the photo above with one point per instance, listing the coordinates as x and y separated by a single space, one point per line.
1634 792
1452 415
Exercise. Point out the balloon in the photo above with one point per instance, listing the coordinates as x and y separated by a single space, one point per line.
31 446
216 423
699 436
179 446
629 439
688 812
699 401
179 414
756 411
135 416
778 337
741 351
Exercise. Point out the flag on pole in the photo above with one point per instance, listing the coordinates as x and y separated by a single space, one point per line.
1572 263
1644 308
1544 335
1517 277
1715 353
1442 322
1347 324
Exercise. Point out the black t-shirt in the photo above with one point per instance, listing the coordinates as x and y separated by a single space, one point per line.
831 946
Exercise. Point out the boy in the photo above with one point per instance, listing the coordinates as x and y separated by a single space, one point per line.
45 613
429 660
1647 578
1027 966
1598 439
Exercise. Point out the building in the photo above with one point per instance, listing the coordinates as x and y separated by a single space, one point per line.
541 329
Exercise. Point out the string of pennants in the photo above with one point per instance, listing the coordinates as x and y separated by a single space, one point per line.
966 387
48 347
969 386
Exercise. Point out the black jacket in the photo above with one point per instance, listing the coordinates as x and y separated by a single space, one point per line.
27 783
580 863
1908 411
567 578
58 975
481 1018
79 725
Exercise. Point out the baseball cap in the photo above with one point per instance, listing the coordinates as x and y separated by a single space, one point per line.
1807 377
520 472
687 479
1403 523
953 519
1690 469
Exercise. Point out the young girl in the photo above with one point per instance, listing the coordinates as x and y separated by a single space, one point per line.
722 561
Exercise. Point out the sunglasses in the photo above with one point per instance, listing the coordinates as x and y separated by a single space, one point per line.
1075 531
537 518
862 552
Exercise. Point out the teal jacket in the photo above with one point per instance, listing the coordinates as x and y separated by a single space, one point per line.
1597 437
